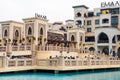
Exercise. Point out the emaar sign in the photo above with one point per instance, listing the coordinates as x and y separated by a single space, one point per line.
110 4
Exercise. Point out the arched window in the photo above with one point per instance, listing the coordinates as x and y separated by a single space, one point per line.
16 33
103 38
41 31
105 20
79 23
78 14
85 15
5 33
72 38
29 31
91 49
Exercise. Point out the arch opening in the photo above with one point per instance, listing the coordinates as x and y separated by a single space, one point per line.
72 38
103 38
5 33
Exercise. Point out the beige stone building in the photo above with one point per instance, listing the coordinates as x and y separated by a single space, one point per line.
90 31
12 31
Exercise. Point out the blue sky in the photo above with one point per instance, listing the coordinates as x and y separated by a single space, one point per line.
55 10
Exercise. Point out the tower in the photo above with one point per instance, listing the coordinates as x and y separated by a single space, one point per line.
80 12
35 29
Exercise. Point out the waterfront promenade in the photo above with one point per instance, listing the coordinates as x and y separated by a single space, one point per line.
58 63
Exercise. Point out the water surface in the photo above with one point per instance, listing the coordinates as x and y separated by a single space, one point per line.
81 75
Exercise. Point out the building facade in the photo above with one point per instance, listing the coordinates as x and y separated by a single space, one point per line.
101 26
90 31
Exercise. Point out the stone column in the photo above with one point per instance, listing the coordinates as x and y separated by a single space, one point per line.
9 47
61 61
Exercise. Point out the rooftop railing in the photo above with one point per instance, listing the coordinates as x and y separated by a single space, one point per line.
56 48
3 48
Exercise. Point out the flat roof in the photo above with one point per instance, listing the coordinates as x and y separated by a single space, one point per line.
81 6
69 20
34 18
10 21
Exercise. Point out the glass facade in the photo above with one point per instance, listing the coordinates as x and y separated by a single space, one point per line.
97 21
98 14
88 29
114 20
112 11
115 11
89 22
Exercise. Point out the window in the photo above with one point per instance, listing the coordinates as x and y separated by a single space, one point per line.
105 20
98 14
29 31
65 37
88 29
79 23
114 20
89 22
90 14
115 11
72 38
16 33
89 38
78 14
5 33
80 38
85 15
97 21
41 31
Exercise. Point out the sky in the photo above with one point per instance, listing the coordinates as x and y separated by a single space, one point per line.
55 10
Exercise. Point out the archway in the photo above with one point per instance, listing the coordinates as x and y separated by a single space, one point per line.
118 52
103 38
91 49
105 50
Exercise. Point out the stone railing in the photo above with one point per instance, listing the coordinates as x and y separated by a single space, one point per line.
73 62
56 48
19 62
1 62
3 48
47 62
22 48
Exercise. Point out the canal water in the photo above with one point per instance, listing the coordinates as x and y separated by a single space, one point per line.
81 75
